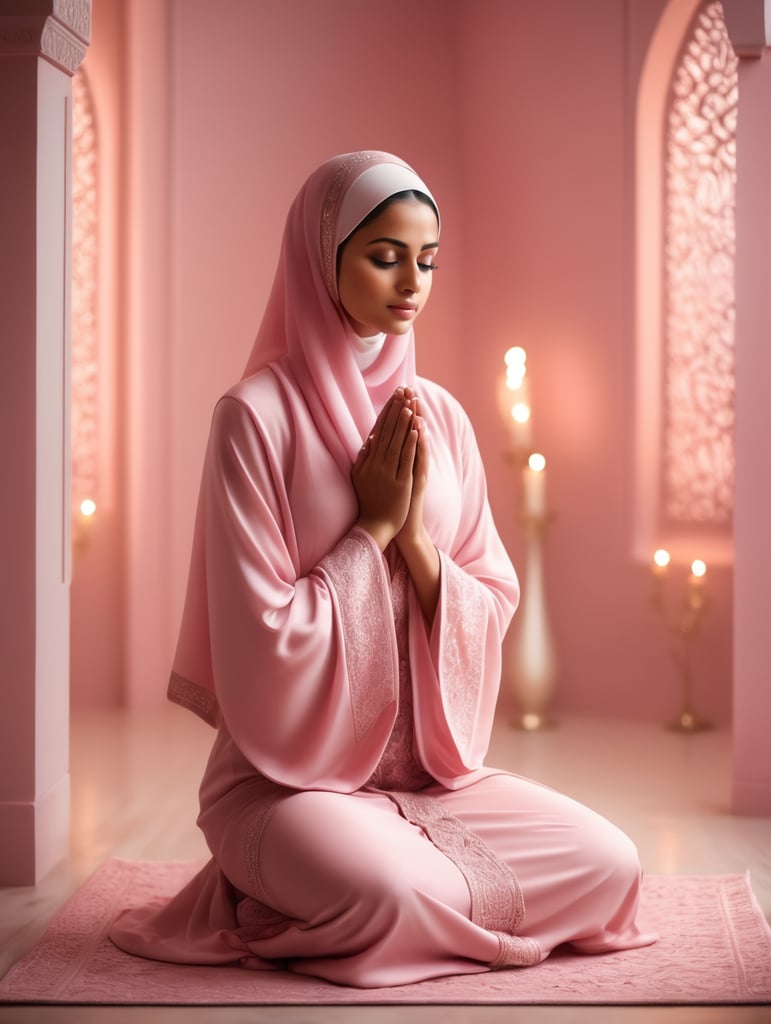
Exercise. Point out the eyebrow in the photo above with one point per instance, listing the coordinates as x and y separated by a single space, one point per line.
403 245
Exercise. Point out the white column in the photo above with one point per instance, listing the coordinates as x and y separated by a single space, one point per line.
41 47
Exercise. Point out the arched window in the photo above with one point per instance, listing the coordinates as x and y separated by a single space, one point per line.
685 285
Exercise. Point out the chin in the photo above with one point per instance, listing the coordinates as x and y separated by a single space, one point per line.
398 328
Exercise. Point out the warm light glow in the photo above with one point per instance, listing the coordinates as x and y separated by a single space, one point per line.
516 369
698 568
87 507
520 412
515 356
661 558
537 462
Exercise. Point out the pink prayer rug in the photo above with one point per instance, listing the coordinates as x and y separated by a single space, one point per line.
715 947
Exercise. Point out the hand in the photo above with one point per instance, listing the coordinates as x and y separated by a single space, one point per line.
382 474
414 543
412 530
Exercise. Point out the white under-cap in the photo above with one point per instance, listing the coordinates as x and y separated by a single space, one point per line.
372 187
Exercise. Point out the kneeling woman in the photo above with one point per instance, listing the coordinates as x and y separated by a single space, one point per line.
347 599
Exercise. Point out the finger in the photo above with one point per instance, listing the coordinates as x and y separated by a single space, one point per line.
387 419
422 453
405 424
395 429
407 455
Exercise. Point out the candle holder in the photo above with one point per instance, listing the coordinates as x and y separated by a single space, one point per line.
684 626
534 656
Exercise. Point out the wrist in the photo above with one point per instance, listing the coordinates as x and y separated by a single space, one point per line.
381 532
414 541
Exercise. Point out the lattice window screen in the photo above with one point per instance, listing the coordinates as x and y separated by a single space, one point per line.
700 178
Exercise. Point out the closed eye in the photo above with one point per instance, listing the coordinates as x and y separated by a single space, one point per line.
387 264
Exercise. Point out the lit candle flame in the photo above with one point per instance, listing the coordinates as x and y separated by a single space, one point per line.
698 568
515 360
515 356
520 412
537 462
661 558
87 507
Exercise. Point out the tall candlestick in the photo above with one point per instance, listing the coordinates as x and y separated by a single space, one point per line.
684 626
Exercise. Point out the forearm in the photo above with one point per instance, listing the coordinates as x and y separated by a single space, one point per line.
424 567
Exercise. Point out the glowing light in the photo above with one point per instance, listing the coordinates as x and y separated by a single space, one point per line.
520 412
698 568
661 558
537 462
87 507
516 369
516 357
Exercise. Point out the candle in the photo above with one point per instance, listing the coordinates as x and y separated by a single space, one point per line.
534 480
520 425
696 583
661 560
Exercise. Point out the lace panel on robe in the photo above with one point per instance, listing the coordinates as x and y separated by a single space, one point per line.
463 651
497 903
399 767
364 609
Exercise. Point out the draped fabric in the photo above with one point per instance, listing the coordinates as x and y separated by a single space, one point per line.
305 674
355 830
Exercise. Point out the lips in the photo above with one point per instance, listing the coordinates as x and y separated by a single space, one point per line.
404 309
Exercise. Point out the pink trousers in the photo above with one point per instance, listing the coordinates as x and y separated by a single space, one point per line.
369 900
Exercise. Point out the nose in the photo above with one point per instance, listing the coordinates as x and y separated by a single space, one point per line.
410 279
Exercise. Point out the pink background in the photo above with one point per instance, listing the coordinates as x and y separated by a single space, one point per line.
521 117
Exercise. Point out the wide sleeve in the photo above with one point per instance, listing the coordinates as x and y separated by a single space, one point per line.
456 662
307 688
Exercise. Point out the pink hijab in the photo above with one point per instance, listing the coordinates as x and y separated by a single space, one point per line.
306 336
304 323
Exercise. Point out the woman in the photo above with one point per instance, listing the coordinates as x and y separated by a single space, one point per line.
347 599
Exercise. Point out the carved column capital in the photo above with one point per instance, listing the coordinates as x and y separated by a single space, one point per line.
57 30
749 26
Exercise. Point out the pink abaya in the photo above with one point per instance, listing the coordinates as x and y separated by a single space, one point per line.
355 832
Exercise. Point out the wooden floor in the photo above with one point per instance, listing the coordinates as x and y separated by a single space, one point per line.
134 794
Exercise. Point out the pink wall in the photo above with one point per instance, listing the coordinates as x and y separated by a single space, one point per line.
522 122
253 114
548 107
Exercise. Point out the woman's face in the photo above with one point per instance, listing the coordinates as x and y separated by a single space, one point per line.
384 278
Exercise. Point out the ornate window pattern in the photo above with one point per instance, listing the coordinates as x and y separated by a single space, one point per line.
85 362
699 225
